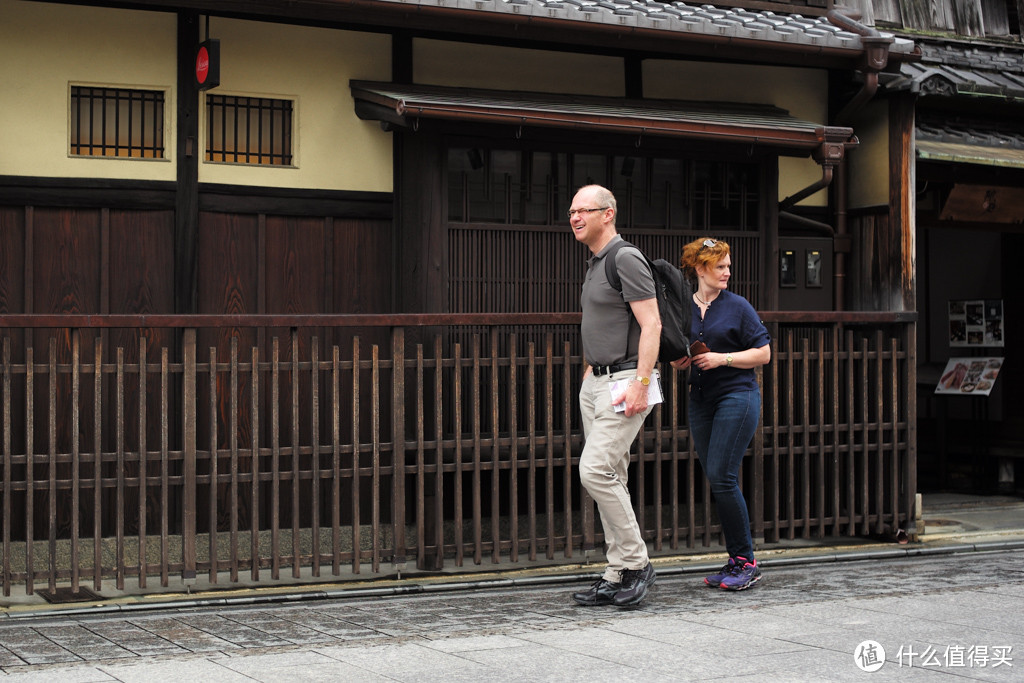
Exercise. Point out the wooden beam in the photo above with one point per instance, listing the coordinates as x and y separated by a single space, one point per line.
186 205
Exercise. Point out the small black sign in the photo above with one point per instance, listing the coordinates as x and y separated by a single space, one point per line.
207 66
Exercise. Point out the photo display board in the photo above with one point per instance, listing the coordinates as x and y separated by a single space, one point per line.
969 376
976 322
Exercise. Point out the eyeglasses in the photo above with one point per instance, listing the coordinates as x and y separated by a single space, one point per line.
572 212
708 243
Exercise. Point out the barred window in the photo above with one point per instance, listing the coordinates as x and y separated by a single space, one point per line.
117 122
249 130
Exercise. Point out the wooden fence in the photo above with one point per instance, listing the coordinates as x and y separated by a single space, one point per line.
453 442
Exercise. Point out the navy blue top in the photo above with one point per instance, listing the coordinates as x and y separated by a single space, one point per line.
730 324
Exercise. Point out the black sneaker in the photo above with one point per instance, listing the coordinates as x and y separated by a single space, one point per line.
635 583
600 593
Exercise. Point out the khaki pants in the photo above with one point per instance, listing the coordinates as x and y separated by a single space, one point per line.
604 471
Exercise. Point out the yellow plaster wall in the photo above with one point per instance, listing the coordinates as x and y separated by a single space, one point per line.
801 92
509 68
334 149
44 48
869 161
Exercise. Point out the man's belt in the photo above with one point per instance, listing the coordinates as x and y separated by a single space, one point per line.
609 369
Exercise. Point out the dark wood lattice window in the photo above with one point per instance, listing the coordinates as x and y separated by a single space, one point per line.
249 130
117 122
663 202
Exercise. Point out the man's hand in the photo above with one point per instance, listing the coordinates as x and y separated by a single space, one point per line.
634 398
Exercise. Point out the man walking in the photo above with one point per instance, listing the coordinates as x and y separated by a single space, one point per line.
621 334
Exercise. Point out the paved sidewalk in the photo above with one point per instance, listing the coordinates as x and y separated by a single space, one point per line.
959 613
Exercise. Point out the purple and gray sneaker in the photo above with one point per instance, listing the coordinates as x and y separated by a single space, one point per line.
743 575
715 580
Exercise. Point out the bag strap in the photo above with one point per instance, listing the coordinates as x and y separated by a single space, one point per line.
611 269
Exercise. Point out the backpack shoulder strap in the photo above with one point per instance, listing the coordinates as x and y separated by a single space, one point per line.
611 270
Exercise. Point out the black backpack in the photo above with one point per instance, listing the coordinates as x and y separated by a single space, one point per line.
674 295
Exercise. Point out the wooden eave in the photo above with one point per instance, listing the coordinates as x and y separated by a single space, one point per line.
751 124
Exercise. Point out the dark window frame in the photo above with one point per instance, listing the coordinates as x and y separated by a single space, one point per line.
254 131
113 122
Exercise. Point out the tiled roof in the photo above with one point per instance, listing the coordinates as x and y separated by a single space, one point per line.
969 140
951 69
678 17
969 132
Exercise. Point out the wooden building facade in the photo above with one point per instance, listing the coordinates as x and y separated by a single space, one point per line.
322 317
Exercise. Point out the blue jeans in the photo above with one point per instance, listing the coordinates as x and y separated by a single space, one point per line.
721 431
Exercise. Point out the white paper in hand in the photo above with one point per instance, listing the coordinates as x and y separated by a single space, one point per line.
618 388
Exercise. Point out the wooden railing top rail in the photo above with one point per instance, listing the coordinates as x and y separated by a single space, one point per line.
43 321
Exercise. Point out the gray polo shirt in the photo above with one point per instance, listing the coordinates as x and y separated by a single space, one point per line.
610 333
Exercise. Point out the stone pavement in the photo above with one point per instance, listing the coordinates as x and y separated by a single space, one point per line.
953 605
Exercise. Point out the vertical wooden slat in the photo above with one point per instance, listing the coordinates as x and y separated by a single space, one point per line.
189 433
438 512
659 464
336 460
233 445
772 509
549 441
119 571
76 484
420 428
398 446
376 435
143 460
30 485
879 421
851 433
51 526
495 450
790 392
254 467
295 469
8 464
757 465
806 454
895 476
513 464
531 417
568 479
865 440
836 460
275 460
356 483
671 389
475 409
97 471
212 503
165 488
314 439
910 400
819 446
457 431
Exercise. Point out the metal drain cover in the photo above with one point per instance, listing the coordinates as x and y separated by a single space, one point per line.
66 594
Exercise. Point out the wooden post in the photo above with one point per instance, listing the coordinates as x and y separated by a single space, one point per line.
188 447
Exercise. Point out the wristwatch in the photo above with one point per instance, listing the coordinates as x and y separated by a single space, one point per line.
643 380
728 359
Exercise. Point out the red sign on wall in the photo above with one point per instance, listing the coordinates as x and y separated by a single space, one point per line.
207 65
